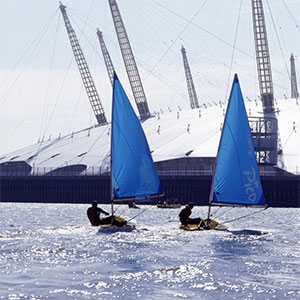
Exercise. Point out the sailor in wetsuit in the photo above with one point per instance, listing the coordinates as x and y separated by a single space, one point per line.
132 205
185 213
93 213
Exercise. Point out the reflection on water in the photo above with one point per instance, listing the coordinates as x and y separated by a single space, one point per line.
49 251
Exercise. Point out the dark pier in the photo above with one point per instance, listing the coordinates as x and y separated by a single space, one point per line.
279 191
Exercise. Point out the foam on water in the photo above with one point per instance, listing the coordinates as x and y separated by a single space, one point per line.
49 251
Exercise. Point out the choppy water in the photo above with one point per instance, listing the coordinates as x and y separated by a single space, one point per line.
49 251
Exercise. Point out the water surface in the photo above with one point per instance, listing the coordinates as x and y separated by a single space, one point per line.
49 251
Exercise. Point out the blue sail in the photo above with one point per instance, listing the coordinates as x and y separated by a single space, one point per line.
237 180
133 170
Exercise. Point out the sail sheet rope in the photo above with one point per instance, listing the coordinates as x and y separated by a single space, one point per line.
135 216
223 213
238 218
146 209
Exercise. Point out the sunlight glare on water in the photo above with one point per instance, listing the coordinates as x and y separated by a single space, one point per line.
49 251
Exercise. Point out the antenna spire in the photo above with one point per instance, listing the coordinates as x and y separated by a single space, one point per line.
294 87
189 81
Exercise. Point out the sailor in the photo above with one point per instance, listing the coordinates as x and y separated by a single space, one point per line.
185 213
132 205
94 212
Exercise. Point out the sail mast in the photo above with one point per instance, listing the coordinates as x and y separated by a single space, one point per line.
111 141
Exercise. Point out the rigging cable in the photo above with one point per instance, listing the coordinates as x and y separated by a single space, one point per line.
135 216
20 123
89 41
211 34
38 40
277 36
63 82
223 213
150 206
35 42
44 118
180 92
290 134
233 51
292 16
95 143
204 30
58 96
175 40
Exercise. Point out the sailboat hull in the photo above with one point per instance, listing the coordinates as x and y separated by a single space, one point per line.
213 224
111 229
168 205
119 222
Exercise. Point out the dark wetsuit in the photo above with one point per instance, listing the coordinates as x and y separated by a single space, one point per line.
185 219
132 205
93 214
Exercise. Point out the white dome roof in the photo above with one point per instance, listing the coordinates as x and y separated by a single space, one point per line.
170 135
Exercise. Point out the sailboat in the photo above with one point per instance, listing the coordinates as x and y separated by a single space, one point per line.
133 174
236 181
169 203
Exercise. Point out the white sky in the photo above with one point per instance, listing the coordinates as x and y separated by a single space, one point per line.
41 93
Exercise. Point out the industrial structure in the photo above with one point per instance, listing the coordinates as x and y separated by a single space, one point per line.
262 56
189 81
294 87
265 135
107 60
129 61
84 70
